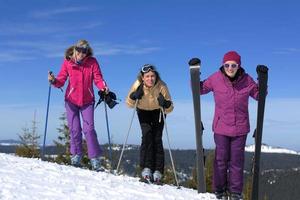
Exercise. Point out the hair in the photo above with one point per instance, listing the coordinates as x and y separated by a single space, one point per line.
141 74
70 51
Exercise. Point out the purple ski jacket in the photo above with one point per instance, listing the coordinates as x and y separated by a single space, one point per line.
231 116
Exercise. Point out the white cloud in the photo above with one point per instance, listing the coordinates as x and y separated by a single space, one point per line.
216 42
286 51
61 11
15 56
30 50
118 49
28 28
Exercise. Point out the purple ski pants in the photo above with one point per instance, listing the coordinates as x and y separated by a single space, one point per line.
229 163
73 118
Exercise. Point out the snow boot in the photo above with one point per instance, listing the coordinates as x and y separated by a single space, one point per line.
96 165
236 196
146 175
221 195
157 177
76 160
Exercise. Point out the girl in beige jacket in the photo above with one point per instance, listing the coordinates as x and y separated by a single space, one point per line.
151 96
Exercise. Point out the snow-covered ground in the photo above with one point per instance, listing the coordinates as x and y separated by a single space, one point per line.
29 179
270 149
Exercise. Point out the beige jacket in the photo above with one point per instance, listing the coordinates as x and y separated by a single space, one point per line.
149 99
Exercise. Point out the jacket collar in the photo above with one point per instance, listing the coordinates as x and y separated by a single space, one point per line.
81 64
238 76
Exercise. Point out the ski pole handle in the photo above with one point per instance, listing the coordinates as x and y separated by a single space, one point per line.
51 79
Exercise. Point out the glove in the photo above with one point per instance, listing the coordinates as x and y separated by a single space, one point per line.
51 77
109 98
163 102
138 93
101 94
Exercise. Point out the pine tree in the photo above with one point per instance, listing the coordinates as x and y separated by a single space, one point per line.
63 141
29 141
192 183
168 177
85 162
209 165
63 145
248 188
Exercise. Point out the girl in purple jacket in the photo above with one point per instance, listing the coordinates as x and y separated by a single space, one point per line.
82 70
231 87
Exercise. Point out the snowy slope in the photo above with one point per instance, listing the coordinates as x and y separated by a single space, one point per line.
269 149
29 179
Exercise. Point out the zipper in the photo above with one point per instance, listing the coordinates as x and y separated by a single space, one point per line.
91 92
70 92
217 122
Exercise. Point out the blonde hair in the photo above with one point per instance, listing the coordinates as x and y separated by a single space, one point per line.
70 52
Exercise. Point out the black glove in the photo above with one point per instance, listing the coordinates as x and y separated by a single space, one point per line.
101 94
109 99
138 93
163 102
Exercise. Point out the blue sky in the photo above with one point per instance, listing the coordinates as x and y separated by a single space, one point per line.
128 34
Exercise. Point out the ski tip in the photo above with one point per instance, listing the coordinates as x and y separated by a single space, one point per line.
262 69
194 61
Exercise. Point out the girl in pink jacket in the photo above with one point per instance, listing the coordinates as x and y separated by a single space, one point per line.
81 69
231 88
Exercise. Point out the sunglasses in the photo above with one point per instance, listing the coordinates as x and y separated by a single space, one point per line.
232 65
81 50
146 68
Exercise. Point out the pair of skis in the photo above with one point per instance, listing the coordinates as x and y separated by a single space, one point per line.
262 72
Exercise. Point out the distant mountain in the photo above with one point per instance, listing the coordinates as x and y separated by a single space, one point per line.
9 142
269 149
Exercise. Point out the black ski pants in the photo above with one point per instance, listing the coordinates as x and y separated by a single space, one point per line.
151 150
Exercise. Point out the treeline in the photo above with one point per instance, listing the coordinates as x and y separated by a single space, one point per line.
274 184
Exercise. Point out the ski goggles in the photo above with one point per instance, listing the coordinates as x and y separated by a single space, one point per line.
232 65
147 67
81 50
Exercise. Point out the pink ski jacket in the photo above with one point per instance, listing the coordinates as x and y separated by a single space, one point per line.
231 116
81 77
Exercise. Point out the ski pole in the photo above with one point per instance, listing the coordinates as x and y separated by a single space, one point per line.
171 157
125 142
46 123
108 135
